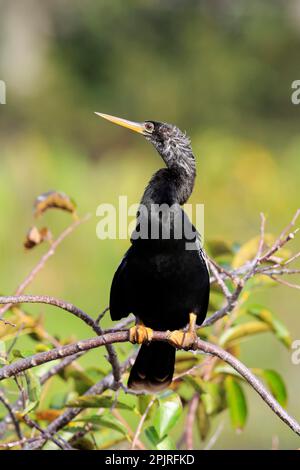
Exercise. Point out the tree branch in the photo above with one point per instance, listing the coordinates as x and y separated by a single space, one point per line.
123 336
77 312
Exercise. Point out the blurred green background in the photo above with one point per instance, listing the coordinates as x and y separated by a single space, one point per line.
222 70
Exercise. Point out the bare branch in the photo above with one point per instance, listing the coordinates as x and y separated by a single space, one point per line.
45 299
63 351
230 305
32 424
219 279
67 306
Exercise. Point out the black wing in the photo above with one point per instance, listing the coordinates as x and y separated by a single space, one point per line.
121 288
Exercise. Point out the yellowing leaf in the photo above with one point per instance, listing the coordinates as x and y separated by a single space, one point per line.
242 331
249 250
53 200
275 324
48 415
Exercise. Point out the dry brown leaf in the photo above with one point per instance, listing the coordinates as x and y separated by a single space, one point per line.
53 200
47 415
36 236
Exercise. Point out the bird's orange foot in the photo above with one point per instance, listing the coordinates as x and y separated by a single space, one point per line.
140 334
182 339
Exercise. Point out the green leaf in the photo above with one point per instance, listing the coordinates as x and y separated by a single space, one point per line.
58 400
22 354
3 359
105 421
236 403
195 382
243 330
142 403
168 413
276 325
95 401
276 385
212 397
202 420
40 347
33 391
152 435
83 444
82 381
165 443
2 348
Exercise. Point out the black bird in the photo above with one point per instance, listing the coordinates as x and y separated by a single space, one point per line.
161 280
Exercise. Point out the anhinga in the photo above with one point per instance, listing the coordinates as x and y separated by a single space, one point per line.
164 284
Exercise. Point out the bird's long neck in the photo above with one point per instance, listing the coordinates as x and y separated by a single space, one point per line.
173 184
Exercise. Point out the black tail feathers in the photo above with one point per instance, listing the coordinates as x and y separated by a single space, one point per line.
153 368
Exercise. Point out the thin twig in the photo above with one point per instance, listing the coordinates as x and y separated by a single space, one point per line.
101 315
285 283
32 424
12 415
40 265
192 409
219 279
141 423
214 437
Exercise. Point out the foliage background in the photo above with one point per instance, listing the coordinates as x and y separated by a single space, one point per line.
222 70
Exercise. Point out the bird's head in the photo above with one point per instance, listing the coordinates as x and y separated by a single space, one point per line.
171 143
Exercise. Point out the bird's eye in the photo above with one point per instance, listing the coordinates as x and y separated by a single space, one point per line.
149 126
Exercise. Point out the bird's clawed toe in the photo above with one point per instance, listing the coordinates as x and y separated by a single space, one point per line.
140 334
182 339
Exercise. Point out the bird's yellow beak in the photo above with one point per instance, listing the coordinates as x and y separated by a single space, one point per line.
134 126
